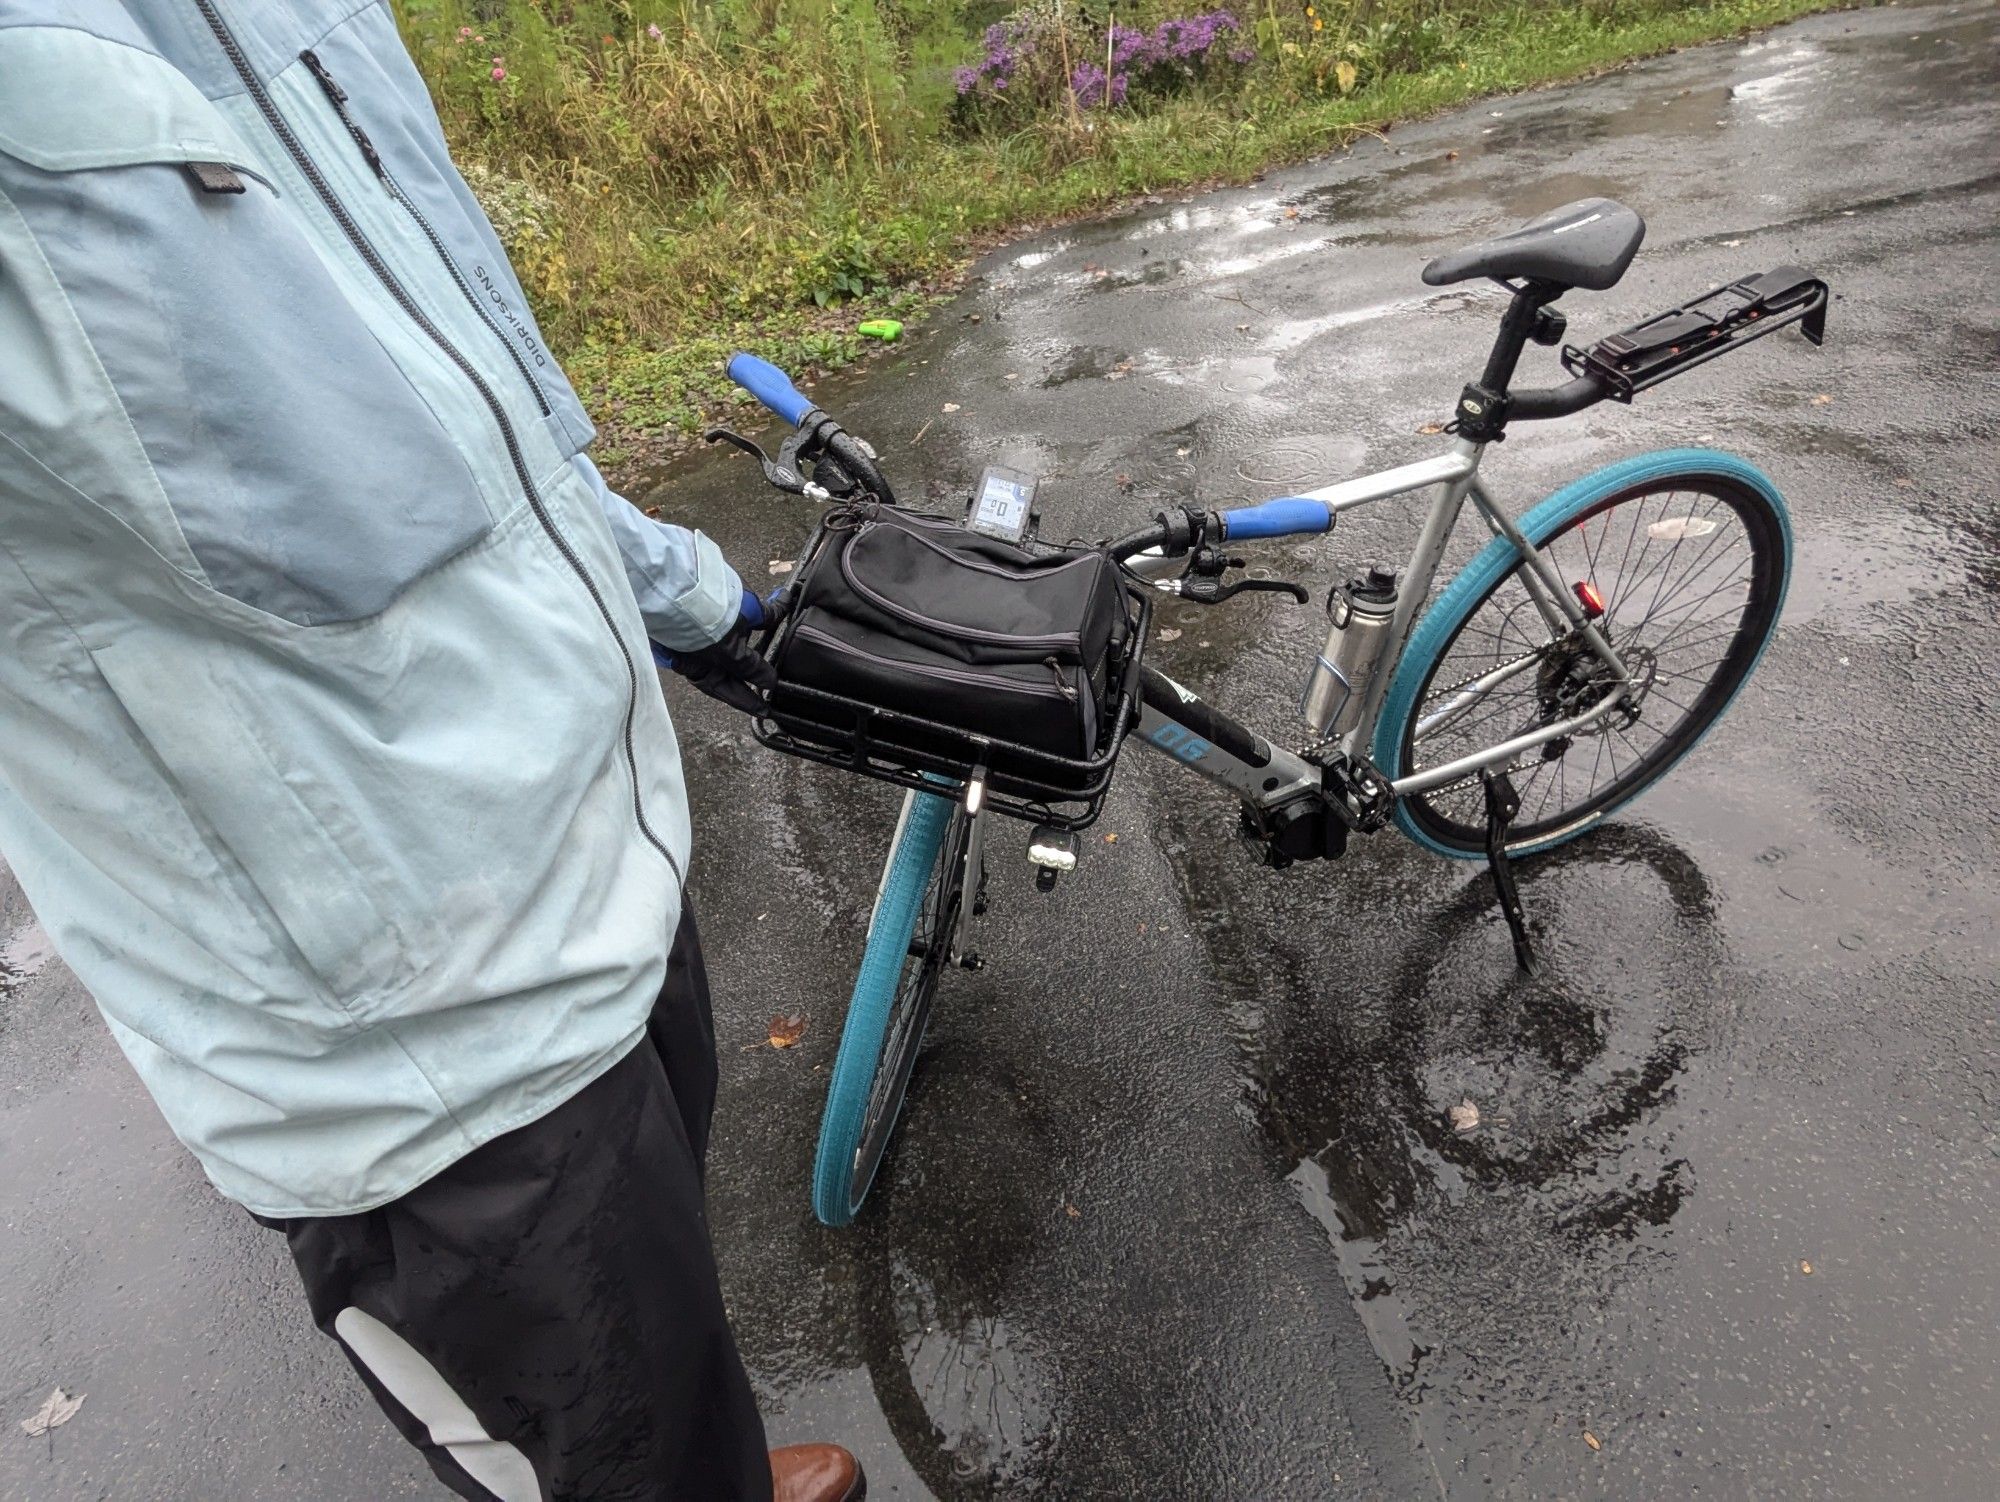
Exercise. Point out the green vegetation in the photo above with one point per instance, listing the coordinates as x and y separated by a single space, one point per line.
679 178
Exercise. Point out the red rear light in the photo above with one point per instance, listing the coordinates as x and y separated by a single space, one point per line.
1589 596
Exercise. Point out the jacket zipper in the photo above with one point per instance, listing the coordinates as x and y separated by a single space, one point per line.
372 258
337 96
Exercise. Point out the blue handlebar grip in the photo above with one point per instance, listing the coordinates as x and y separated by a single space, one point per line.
1289 516
769 385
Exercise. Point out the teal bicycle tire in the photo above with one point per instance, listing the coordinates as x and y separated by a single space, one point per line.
836 1195
1469 590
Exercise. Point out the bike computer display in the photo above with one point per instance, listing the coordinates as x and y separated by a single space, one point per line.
1004 504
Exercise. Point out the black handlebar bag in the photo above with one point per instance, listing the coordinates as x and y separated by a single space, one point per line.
913 640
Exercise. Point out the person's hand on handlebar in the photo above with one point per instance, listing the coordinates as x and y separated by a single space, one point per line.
730 669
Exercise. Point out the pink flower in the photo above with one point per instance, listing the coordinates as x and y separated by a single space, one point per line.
653 31
498 73
479 39
498 61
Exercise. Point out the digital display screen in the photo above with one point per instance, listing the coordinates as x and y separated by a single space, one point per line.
1003 506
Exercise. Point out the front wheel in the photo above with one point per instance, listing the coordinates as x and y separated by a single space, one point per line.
909 941
1689 553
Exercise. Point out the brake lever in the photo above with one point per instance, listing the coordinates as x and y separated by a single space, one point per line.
779 473
1209 590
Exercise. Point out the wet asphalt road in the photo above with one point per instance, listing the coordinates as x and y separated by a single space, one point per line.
1174 1212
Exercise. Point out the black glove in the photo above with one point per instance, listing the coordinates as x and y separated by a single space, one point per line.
729 670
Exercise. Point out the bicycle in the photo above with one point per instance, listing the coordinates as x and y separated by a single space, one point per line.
1603 632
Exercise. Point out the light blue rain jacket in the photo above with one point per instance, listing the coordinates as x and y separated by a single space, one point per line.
330 750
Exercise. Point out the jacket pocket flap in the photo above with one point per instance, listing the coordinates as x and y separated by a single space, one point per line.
70 100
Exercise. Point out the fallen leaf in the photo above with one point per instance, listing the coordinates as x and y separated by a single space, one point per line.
1072 1212
951 406
1451 156
781 565
1167 633
1464 1118
1114 375
1293 211
787 1028
1592 1440
1111 839
1011 376
1821 400
1805 1267
1431 427
58 1410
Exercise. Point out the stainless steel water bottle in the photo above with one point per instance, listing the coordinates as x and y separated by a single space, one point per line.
1358 618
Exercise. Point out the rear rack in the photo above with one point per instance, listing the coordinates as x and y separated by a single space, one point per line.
1722 319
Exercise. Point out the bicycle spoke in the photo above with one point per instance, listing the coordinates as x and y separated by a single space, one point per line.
1686 576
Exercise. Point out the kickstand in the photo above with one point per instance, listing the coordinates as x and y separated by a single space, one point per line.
1502 803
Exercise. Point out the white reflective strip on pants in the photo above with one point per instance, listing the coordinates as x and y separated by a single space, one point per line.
419 1387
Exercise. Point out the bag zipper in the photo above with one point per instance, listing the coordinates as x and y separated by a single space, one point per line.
950 675
985 567
950 628
337 96
372 258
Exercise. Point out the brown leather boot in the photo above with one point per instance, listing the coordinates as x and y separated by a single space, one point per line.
816 1473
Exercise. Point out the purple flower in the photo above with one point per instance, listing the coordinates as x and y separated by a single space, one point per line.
966 79
1088 84
1242 56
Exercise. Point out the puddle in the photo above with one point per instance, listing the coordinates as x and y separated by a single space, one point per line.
23 955
1305 461
1780 97
1149 273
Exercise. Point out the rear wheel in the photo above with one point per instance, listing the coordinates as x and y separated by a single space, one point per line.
909 943
1687 552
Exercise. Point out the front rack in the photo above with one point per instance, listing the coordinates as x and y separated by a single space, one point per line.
1721 319
890 745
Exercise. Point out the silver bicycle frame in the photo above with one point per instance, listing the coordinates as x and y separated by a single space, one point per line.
1455 475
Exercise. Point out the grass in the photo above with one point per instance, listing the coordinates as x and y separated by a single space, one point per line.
765 174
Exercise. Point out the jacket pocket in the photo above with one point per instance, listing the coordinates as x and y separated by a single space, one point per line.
304 470
262 808
364 71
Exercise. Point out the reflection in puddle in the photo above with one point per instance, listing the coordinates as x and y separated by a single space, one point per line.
23 954
982 1391
1457 1249
1778 97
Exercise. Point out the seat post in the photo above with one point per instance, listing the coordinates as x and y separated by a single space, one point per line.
1482 406
1517 326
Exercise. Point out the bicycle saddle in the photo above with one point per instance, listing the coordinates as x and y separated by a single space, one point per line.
1584 244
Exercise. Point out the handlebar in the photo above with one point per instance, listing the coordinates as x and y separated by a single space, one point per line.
769 385
1289 516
